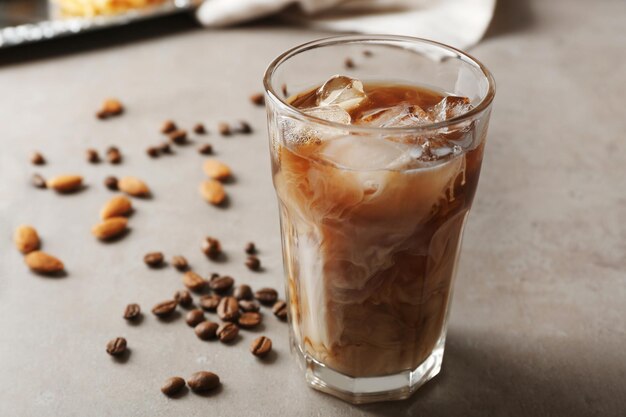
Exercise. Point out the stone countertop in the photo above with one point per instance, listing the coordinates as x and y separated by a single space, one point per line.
537 325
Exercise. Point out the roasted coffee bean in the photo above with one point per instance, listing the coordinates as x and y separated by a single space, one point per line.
210 302
250 320
206 330
253 263
199 129
38 181
243 292
261 346
280 309
92 156
165 148
227 332
205 149
247 305
221 284
257 99
250 248
116 346
193 281
168 127
153 259
180 263
172 385
349 63
114 155
243 127
164 308
111 183
153 151
224 129
194 317
132 312
183 297
267 296
203 381
228 309
211 247
37 159
178 137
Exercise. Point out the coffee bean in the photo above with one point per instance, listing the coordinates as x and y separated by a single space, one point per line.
178 137
243 127
165 148
111 183
183 297
153 151
172 385
164 308
228 309
132 312
114 157
193 281
367 53
38 181
257 99
224 129
243 292
180 263
116 346
349 63
280 310
206 330
247 305
227 332
205 149
199 129
267 296
92 156
261 346
253 263
211 247
168 127
37 159
203 381
221 284
210 302
250 320
250 248
194 317
153 259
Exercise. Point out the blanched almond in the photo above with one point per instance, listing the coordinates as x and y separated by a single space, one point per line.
133 186
110 228
212 191
26 239
116 207
42 262
193 281
65 183
216 169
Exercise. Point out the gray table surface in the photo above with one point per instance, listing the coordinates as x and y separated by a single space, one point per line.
537 325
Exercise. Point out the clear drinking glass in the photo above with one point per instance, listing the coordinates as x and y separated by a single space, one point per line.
370 252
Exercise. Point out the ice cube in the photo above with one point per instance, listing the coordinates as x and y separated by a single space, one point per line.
363 152
403 115
342 91
449 107
332 113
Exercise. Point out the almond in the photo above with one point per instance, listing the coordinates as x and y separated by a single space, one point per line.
193 281
212 191
116 207
216 169
65 183
110 228
26 239
42 262
112 106
133 186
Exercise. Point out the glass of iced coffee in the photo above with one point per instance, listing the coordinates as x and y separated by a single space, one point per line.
376 145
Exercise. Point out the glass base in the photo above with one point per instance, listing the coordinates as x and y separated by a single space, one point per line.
364 390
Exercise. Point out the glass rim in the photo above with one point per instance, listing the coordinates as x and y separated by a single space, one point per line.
483 105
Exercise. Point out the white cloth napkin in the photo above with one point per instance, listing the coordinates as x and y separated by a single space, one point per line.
460 23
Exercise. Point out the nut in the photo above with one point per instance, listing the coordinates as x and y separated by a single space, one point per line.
65 183
116 207
110 228
213 192
216 169
133 186
26 239
42 262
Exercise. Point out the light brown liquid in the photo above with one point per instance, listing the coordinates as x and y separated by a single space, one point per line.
370 254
